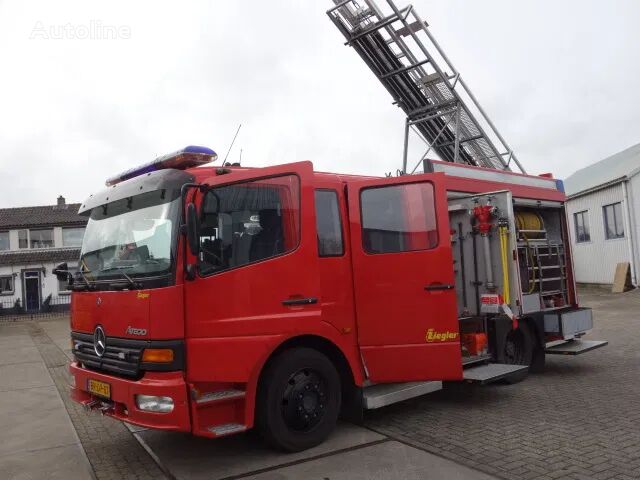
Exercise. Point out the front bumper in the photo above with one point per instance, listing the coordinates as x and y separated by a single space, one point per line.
122 404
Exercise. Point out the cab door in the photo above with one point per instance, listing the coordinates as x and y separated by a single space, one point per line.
257 271
404 279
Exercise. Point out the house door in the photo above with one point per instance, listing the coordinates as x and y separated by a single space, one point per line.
32 291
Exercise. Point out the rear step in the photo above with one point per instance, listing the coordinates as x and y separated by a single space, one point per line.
575 347
381 395
492 372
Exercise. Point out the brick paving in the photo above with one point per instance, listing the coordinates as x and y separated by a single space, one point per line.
110 447
578 420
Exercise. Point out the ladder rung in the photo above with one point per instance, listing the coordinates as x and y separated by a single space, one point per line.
341 4
411 28
404 69
381 24
428 108
461 141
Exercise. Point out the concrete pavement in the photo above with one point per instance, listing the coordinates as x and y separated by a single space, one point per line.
37 439
352 452
577 420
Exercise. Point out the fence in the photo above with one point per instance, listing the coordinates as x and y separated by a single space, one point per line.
14 309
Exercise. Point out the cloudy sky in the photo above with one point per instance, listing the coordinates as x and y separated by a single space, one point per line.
559 78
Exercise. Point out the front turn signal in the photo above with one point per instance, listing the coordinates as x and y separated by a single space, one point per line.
157 355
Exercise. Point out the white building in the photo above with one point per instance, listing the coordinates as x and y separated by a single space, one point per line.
604 216
33 241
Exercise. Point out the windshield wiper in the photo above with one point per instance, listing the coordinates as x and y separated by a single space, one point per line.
132 283
119 267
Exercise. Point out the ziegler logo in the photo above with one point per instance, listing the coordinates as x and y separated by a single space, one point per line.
137 331
433 336
142 296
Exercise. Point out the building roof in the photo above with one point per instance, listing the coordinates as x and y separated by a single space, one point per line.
612 169
35 255
42 216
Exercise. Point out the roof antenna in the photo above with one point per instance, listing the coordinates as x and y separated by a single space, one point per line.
232 142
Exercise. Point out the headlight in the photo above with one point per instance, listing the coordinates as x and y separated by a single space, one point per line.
151 403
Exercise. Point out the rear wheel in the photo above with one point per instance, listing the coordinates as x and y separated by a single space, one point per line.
298 399
518 350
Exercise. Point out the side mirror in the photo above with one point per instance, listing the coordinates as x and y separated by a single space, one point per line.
193 229
61 271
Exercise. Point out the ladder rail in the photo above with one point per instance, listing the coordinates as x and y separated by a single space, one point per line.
404 72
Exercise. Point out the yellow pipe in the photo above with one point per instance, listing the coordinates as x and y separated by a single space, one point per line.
504 254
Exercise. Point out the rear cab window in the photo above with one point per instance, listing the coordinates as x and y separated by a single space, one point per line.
328 224
398 218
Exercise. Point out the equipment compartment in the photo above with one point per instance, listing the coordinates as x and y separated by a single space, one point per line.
568 323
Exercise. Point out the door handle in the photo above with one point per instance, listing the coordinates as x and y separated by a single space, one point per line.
438 286
300 301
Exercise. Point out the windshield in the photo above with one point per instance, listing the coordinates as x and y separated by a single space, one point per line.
131 238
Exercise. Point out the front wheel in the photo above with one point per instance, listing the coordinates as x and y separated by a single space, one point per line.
298 399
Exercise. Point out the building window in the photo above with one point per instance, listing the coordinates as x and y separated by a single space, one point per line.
63 285
328 227
41 238
72 237
398 218
6 285
613 224
23 238
4 241
581 220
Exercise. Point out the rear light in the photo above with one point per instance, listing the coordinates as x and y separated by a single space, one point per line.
157 355
151 403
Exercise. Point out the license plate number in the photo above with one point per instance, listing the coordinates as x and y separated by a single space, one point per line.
99 388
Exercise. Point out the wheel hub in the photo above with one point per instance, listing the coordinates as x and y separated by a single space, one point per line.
303 401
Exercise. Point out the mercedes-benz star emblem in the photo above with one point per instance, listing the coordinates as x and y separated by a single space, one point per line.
99 341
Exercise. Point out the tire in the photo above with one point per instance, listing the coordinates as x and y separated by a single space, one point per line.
298 400
518 350
538 359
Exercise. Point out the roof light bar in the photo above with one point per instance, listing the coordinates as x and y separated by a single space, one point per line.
188 157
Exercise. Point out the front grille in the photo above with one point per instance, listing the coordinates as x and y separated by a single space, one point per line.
121 357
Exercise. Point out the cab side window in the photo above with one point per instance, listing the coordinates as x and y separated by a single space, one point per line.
248 222
328 225
398 218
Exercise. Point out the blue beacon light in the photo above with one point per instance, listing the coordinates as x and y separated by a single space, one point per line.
188 157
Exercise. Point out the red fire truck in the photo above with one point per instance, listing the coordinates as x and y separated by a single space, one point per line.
212 300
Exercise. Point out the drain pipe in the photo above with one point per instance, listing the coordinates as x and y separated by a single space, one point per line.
630 232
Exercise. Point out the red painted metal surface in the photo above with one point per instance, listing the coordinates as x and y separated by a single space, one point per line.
370 306
159 311
394 310
123 391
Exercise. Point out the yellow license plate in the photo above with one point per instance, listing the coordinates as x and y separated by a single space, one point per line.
99 388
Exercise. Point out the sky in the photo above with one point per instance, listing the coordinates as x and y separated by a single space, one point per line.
558 78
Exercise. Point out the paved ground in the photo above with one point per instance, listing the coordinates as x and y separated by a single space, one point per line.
38 440
578 420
